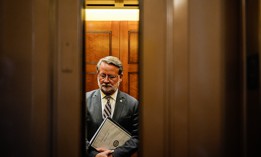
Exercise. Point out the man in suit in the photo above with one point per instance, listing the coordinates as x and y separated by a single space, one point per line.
123 108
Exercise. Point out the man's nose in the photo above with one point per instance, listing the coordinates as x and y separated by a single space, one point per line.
106 79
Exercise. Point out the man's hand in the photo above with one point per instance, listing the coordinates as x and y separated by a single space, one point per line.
104 152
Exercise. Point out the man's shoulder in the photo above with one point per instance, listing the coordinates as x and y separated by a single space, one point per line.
127 96
91 93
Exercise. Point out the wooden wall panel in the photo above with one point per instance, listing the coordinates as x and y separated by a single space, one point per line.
129 52
98 43
106 26
133 47
90 84
133 84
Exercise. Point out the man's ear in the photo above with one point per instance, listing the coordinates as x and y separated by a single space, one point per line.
121 77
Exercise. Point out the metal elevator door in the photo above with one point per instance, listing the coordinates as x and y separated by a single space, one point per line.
199 61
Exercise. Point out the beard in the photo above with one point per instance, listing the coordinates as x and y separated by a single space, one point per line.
108 88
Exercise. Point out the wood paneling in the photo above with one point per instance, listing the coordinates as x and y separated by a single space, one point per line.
99 43
129 55
133 84
133 47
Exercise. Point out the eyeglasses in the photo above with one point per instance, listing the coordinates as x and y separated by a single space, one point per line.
110 77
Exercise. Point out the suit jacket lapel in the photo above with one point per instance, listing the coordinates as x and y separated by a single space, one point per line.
120 103
96 104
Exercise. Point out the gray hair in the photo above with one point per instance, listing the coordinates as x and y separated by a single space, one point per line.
112 61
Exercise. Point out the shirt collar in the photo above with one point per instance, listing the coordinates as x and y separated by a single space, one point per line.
113 96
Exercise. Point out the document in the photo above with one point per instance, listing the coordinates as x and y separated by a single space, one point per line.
109 135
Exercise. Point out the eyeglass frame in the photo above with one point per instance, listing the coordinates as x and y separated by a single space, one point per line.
109 76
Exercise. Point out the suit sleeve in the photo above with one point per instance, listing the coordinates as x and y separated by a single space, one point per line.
90 152
131 146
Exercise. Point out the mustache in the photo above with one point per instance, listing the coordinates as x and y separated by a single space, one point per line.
106 85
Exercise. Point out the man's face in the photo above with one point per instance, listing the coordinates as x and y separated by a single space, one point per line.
108 78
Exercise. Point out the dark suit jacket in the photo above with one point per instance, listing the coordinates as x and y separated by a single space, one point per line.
125 114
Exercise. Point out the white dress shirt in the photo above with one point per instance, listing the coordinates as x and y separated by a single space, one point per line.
112 101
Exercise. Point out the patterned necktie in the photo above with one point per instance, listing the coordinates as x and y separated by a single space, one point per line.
107 108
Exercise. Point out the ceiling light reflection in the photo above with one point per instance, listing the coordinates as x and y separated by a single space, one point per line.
112 14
